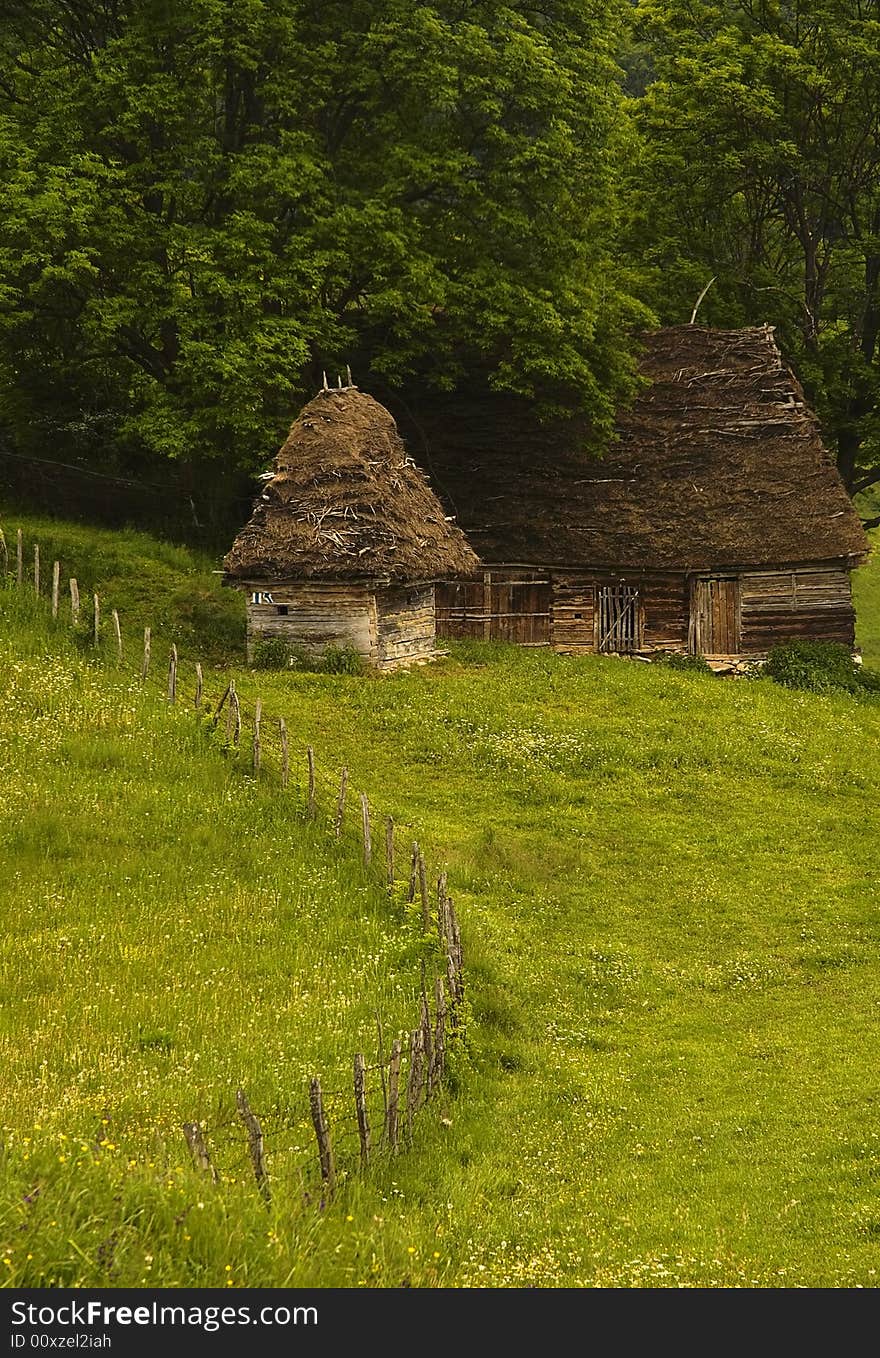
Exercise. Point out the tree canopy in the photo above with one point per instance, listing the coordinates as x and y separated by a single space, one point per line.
207 202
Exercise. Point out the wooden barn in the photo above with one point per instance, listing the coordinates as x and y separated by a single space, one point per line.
718 525
346 540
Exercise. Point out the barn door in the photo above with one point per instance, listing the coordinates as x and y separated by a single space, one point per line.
716 613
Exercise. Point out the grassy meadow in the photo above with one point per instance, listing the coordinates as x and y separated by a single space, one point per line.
669 891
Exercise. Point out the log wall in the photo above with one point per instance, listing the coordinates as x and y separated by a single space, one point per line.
318 616
558 607
405 625
810 602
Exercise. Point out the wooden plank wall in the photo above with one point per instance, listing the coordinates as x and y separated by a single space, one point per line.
809 602
663 601
320 615
503 604
405 625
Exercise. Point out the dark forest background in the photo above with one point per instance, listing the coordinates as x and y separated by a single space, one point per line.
208 203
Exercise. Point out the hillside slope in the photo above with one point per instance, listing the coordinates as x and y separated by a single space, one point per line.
669 887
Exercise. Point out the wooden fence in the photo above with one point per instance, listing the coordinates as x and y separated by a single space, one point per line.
376 1110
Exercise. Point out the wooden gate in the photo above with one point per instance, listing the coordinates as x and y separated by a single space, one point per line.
495 608
618 619
717 617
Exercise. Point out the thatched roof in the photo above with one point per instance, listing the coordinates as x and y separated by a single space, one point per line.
719 464
346 502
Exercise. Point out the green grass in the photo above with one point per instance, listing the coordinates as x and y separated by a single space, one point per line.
669 890
866 591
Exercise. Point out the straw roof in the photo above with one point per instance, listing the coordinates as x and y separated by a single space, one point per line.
346 502
720 464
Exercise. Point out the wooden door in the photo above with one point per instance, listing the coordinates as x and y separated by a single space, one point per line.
716 611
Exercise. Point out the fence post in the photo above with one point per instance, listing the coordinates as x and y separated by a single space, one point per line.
56 581
360 1100
423 889
117 631
172 675
310 754
340 805
441 909
365 818
145 667
19 560
199 686
97 627
4 557
414 1079
413 872
258 753
393 1118
74 601
199 1150
285 752
322 1133
235 708
439 1056
36 568
255 1144
389 851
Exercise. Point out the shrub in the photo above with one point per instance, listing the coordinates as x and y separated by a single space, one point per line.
819 667
342 660
271 654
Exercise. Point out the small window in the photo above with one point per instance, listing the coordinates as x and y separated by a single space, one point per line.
579 615
619 618
283 610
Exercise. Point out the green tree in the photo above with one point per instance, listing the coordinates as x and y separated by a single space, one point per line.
207 202
761 166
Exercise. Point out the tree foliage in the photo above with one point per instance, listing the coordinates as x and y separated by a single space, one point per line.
207 202
761 165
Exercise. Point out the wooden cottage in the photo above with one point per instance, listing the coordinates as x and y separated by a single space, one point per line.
717 525
346 540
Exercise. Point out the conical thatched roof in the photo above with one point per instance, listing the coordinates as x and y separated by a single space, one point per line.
720 463
346 502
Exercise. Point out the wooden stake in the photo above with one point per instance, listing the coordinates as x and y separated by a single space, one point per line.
222 703
56 582
200 683
365 820
322 1133
392 1122
414 1079
145 667
360 1101
4 557
236 722
74 601
255 1144
258 717
36 568
19 560
423 888
172 675
97 627
427 1036
117 632
285 752
441 909
413 872
340 805
439 1054
310 754
230 713
389 852
196 1141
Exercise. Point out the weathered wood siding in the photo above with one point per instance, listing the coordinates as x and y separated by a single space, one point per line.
809 602
318 616
405 625
663 605
760 607
502 604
